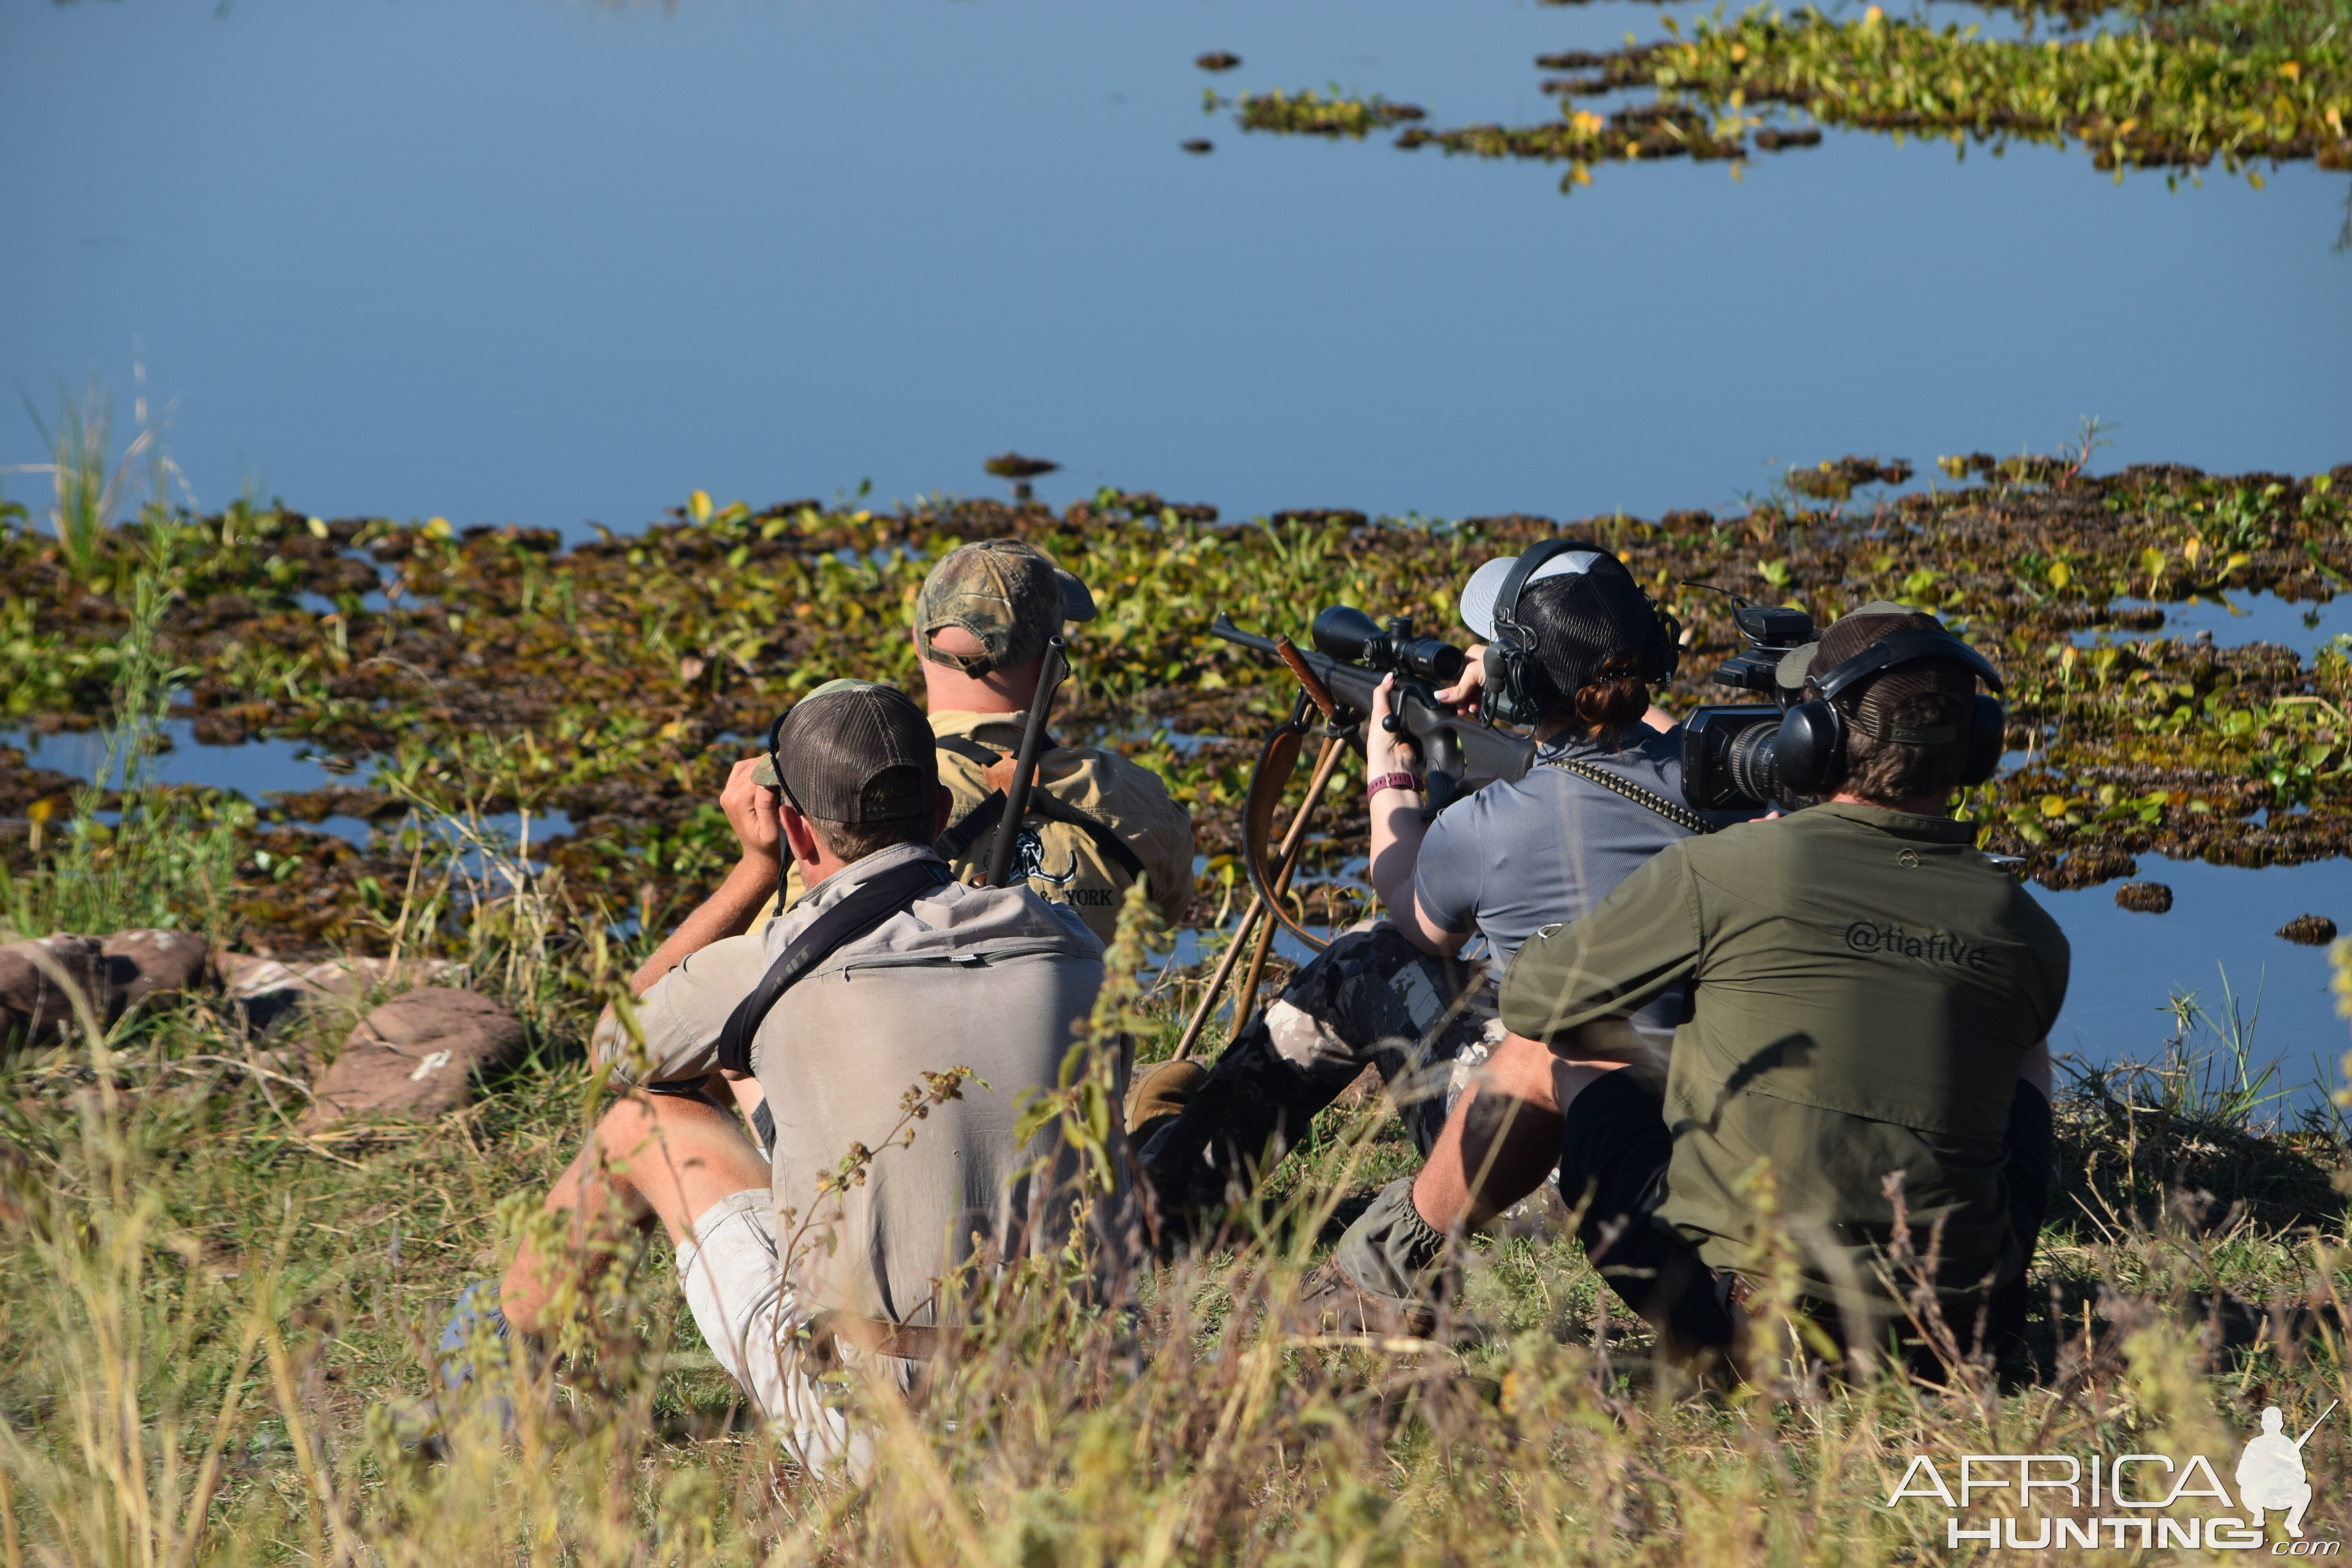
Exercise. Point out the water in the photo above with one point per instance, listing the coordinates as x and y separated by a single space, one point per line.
256 770
251 769
521 260
2237 619
2126 966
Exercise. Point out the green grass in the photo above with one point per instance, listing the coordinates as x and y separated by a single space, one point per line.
204 1312
200 1310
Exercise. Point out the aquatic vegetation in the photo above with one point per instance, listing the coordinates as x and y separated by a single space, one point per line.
2308 930
494 671
2177 96
1311 113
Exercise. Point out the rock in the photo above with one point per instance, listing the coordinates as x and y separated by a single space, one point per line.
417 1055
2309 931
267 991
33 977
143 963
114 972
2144 897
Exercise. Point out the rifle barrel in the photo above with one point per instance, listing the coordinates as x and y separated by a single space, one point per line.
2323 1415
1025 767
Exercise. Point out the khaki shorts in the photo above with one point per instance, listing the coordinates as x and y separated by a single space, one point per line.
755 1326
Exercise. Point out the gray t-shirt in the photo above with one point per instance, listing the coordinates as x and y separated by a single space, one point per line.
994 979
1514 857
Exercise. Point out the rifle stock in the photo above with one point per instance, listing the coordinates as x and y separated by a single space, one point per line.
1459 755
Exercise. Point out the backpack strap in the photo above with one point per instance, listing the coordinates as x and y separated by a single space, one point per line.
1673 811
858 914
957 841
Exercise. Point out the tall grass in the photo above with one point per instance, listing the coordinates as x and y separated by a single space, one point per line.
169 857
199 1310
90 486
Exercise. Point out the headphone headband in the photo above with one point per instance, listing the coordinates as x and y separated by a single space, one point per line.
1907 647
1507 602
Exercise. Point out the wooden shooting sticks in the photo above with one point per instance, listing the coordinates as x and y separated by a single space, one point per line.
1275 766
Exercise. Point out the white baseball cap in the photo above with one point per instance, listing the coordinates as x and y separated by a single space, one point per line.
1486 584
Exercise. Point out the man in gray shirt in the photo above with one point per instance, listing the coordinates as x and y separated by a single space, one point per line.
957 997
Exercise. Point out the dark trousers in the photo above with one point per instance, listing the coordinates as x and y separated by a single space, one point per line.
1371 999
1613 1157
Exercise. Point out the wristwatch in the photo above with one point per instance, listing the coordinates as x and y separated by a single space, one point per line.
1372 788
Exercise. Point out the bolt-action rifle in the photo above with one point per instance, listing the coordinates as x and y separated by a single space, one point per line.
1461 754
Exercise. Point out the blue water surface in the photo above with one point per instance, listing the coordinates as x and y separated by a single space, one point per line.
547 262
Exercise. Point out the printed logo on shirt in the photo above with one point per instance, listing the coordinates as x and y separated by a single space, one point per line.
1029 862
1937 947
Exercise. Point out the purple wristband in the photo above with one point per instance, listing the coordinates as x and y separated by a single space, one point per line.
1390 781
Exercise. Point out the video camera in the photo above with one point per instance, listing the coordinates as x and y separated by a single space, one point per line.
1728 761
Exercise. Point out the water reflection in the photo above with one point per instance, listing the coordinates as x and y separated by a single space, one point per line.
2233 620
256 770
890 241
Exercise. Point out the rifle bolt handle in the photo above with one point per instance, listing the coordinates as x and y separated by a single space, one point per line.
1392 723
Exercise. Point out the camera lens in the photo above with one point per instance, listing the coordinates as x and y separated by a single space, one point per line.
1751 765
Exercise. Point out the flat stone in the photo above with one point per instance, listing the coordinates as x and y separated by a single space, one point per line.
417 1055
35 981
143 963
267 990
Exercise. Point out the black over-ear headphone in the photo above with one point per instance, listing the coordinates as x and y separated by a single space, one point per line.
1512 653
1813 733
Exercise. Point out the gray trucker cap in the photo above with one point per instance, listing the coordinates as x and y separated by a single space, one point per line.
855 752
1486 584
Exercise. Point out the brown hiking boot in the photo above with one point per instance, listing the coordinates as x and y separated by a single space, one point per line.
1160 1095
1331 1304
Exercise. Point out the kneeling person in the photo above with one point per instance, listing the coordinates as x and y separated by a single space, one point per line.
1870 1001
903 973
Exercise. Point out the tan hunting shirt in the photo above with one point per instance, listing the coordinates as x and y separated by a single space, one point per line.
1067 861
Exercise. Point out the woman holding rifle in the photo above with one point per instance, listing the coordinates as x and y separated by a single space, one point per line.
1573 646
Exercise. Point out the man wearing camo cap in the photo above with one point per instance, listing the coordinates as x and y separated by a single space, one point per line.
1097 822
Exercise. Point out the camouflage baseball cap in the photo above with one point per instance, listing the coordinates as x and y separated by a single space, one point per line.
855 752
1007 594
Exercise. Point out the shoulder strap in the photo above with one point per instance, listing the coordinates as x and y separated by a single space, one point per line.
861 913
1673 811
957 841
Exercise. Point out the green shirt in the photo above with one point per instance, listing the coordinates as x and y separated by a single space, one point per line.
1864 986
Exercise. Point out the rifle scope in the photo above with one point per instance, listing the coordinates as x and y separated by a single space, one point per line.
1355 638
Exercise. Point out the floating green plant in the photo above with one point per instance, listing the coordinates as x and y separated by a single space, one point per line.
1311 113
2174 97
494 670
